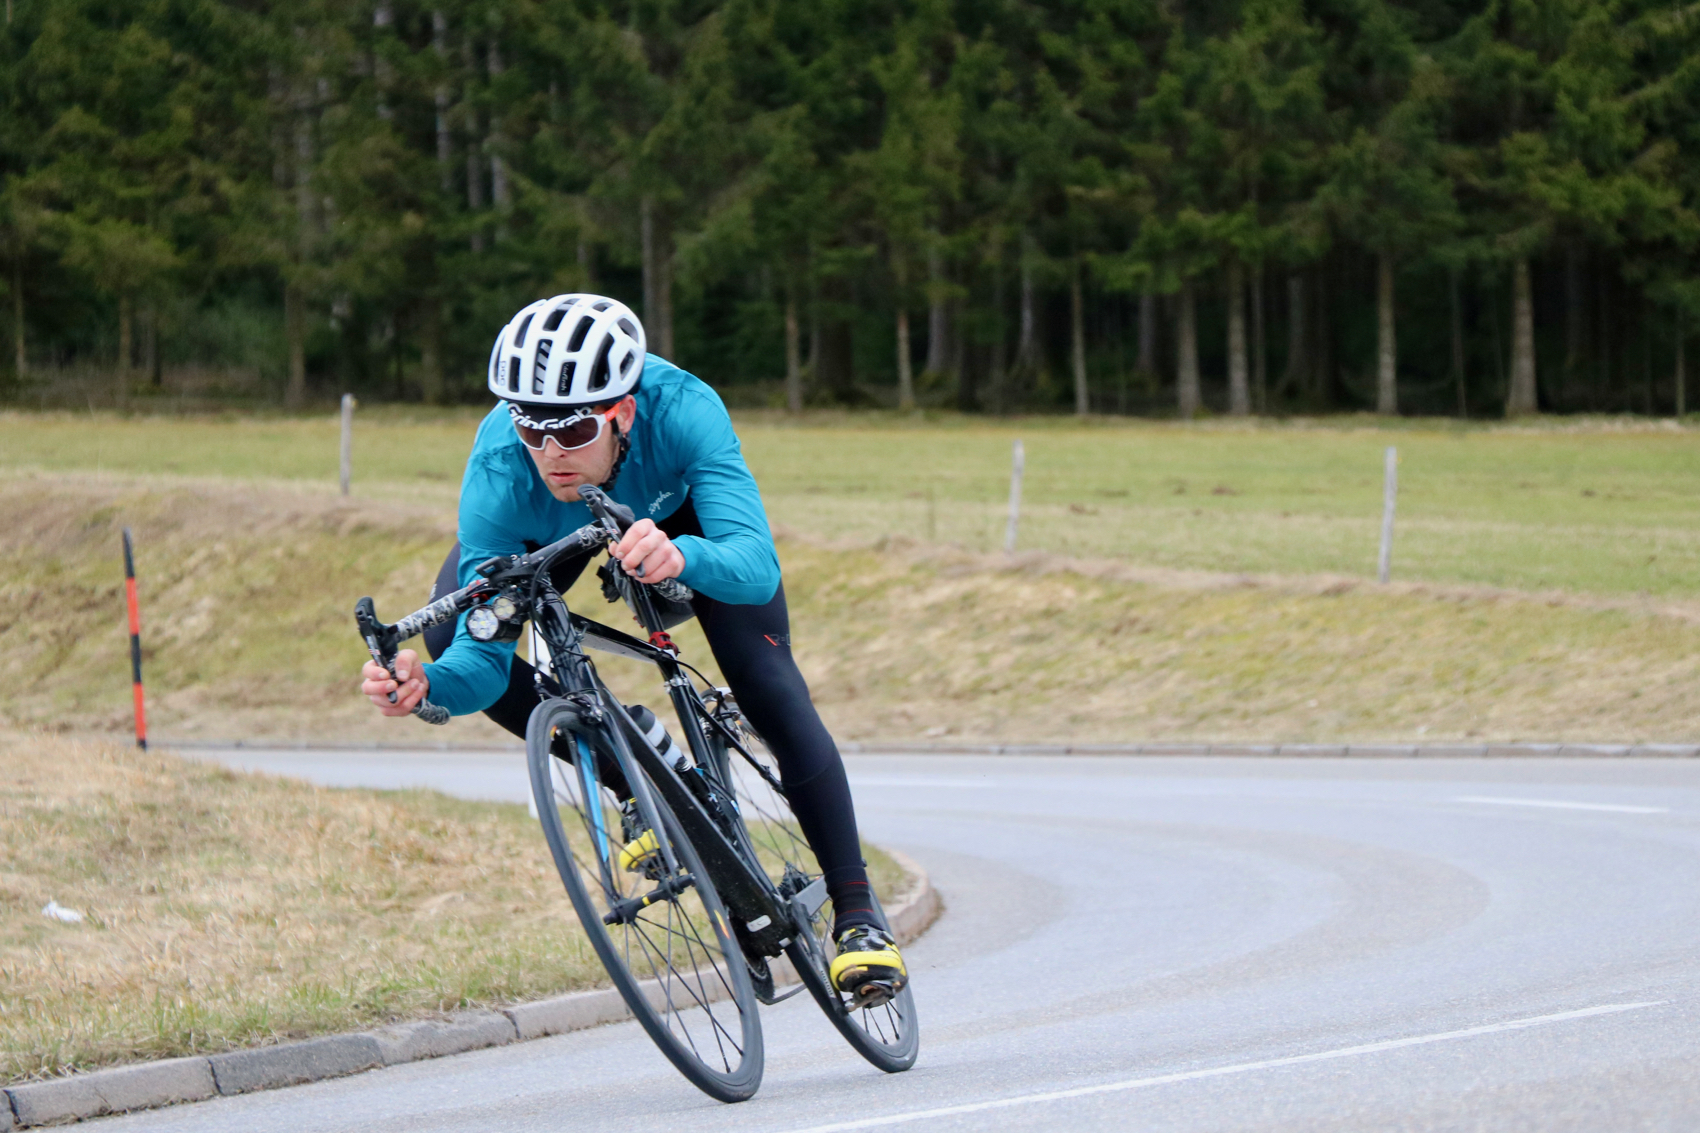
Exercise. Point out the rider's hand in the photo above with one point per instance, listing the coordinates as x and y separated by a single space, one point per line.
410 684
646 546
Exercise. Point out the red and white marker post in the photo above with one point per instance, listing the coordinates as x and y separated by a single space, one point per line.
135 642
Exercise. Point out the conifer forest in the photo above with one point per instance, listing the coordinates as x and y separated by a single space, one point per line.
1473 208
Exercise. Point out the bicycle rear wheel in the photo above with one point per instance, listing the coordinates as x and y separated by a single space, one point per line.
659 928
887 1035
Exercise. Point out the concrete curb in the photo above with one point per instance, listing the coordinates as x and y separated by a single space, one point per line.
149 1085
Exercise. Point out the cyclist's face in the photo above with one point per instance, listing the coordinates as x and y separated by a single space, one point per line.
565 471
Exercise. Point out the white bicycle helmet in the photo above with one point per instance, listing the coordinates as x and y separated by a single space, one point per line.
570 350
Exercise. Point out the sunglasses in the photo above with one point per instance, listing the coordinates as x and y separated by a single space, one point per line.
568 433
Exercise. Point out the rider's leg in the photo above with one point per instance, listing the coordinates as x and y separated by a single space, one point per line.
752 645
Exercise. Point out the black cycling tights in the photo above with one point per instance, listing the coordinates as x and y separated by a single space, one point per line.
752 645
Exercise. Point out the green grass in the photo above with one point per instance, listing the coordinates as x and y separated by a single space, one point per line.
1589 506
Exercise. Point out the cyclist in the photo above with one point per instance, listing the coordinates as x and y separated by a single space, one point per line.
580 401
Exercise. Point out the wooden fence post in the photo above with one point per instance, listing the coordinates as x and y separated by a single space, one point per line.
1018 461
1389 497
347 440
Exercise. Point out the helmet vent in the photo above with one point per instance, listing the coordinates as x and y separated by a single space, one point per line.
565 386
540 370
603 305
554 319
599 369
513 374
626 325
519 338
579 331
626 363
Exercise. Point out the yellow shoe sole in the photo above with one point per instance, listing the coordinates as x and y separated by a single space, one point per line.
635 853
879 972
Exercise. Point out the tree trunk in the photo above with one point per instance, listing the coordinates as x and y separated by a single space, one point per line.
500 194
1298 359
905 374
1601 387
295 336
938 315
586 263
150 345
383 18
440 44
1186 349
1680 377
657 280
20 351
1520 398
126 345
1077 319
1000 343
793 359
1386 347
431 351
1575 317
1027 345
1239 392
1147 334
962 368
1323 354
474 152
1259 344
1458 343
836 370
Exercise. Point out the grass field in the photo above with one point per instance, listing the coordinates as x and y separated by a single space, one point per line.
1605 507
226 910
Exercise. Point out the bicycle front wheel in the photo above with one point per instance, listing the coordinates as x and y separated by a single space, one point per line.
654 918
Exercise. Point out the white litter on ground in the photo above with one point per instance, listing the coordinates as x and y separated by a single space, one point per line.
55 911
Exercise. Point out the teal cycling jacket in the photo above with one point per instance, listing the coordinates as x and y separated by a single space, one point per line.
682 446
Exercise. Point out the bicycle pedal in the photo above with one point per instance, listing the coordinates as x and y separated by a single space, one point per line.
876 993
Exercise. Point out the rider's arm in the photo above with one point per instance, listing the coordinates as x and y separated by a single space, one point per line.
472 675
734 561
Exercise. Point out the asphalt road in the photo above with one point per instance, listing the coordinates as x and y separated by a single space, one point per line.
1176 944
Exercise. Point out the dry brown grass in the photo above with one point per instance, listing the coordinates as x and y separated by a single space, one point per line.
912 640
226 909
247 586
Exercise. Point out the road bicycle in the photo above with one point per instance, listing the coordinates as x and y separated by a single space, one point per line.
686 866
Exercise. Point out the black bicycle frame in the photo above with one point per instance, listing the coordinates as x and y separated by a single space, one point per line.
763 917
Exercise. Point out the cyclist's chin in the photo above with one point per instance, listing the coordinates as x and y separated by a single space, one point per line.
565 489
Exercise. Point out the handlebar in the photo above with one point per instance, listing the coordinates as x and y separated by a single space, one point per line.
616 519
384 641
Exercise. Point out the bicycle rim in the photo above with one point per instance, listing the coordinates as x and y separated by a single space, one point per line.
888 1035
668 958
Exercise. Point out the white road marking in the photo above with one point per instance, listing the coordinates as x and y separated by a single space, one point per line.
1221 1071
1559 804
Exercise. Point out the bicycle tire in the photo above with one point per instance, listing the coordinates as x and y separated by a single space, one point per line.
674 961
888 1036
